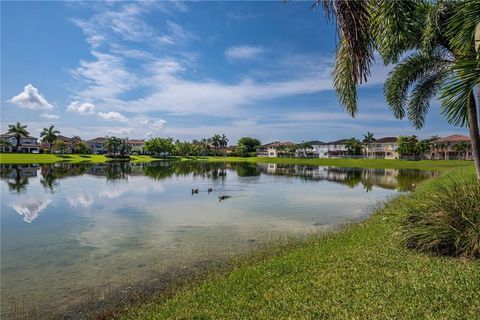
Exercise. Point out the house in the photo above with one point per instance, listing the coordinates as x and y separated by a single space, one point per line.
28 144
384 148
310 152
138 145
70 143
275 149
333 149
96 145
444 148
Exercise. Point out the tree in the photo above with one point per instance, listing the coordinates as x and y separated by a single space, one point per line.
125 147
247 145
422 147
19 131
368 137
183 148
5 144
60 146
462 148
304 146
81 147
354 146
406 145
440 37
49 135
112 144
160 146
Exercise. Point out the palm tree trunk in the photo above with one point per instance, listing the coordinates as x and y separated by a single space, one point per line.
473 129
18 143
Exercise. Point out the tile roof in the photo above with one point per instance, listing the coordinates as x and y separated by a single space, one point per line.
384 140
454 138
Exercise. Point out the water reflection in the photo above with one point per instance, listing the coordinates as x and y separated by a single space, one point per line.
67 228
17 176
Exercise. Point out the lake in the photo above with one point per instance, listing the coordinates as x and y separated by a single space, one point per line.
67 229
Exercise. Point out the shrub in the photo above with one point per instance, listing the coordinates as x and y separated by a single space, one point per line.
445 219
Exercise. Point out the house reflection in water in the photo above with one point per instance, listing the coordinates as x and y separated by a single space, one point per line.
394 179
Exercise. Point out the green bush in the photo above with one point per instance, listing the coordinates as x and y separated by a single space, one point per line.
445 219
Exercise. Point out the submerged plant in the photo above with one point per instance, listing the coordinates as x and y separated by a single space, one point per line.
445 219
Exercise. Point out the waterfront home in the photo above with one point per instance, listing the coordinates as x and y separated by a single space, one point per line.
138 145
96 145
384 148
28 144
448 148
333 149
275 149
69 142
312 152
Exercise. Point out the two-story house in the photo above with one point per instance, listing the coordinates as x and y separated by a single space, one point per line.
333 149
28 144
138 146
274 149
97 145
445 148
384 148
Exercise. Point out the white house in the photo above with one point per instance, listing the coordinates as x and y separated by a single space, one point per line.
334 149
273 149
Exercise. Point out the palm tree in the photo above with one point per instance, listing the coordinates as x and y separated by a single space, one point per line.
49 135
19 131
304 146
223 141
444 60
368 137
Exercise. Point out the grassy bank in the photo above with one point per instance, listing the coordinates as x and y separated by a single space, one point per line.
361 272
26 158
439 165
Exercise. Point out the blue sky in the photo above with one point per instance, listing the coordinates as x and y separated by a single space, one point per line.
185 70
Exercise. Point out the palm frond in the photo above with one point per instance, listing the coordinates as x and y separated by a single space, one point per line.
396 26
344 83
455 93
422 93
405 74
461 26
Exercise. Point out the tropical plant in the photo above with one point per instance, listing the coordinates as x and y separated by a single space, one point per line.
438 35
125 148
422 147
183 148
18 131
354 146
303 147
60 146
5 144
112 144
160 146
462 148
49 135
247 146
81 147
406 145
368 137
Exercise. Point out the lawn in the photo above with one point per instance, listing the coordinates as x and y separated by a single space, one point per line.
361 272
25 158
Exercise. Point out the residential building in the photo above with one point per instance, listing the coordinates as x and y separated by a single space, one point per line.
96 145
275 149
444 148
333 149
138 145
309 152
384 148
28 144
70 142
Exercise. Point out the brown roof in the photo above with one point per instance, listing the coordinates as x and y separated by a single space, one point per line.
136 141
454 138
99 139
8 135
384 140
277 144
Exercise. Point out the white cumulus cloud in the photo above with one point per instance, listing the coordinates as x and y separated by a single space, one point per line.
85 108
30 98
115 116
243 52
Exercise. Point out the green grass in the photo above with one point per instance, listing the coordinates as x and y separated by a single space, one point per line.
440 165
361 272
26 158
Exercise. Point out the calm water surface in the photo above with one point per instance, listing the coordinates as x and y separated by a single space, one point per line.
66 229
